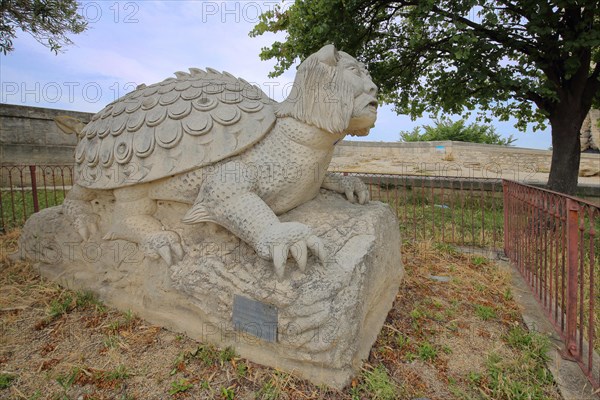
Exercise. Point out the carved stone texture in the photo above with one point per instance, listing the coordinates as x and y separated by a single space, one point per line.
219 145
195 119
590 131
327 318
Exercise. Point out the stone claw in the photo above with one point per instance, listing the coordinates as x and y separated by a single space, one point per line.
86 225
84 232
317 247
178 250
163 244
290 238
110 235
165 253
300 254
355 186
280 253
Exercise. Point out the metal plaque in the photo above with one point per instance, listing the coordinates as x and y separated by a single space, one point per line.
254 317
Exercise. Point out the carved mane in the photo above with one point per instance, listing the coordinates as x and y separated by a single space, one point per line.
319 96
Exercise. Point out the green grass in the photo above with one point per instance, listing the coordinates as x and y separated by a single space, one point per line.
207 354
180 386
122 323
111 341
465 218
522 377
462 218
427 352
17 206
87 299
67 380
378 384
268 391
6 380
228 393
60 306
119 373
227 354
241 369
485 312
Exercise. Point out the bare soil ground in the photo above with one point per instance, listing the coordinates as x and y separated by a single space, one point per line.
461 338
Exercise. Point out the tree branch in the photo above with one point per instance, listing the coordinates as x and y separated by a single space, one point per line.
496 35
592 86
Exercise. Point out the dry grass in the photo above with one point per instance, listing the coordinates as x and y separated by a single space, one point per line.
440 341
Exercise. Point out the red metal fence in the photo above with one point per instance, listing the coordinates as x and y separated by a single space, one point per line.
554 242
25 189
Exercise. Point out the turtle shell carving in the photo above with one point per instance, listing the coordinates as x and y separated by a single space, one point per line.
174 126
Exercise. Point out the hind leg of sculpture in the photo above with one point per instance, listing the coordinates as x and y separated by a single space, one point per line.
78 208
133 221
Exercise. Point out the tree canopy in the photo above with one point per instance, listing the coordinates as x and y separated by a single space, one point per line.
534 60
459 131
48 21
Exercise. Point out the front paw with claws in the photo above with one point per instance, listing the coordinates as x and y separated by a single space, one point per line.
86 225
164 244
351 186
294 238
81 215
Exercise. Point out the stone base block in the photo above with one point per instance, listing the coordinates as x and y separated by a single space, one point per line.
319 325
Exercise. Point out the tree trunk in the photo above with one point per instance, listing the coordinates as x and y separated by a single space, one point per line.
566 152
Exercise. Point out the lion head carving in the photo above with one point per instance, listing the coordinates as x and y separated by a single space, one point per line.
333 92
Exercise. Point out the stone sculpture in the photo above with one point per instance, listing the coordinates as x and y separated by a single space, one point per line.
219 144
590 131
206 174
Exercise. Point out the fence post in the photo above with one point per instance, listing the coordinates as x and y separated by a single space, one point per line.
572 266
36 205
506 211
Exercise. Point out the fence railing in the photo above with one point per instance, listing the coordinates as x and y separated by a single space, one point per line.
458 211
25 189
554 241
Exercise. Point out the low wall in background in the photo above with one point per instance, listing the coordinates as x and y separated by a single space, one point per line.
447 158
28 135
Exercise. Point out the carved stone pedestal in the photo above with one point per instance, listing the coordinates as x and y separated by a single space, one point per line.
319 325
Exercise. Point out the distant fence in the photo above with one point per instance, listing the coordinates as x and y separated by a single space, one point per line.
458 211
25 189
463 212
554 241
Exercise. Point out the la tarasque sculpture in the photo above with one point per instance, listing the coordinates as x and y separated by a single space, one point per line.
219 144
204 206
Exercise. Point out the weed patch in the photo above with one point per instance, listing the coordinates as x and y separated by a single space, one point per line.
6 380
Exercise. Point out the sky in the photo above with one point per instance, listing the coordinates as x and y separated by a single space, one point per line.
133 42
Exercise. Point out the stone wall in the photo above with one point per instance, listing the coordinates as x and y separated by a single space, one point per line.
447 158
28 135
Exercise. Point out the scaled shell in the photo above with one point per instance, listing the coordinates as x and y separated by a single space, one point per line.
171 127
